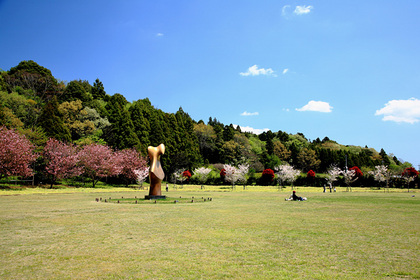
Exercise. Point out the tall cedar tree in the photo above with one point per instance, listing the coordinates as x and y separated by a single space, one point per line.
51 120
140 112
120 134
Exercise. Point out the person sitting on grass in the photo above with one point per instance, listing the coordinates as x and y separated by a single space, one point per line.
294 197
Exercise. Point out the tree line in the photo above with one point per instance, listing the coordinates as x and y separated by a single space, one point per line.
41 107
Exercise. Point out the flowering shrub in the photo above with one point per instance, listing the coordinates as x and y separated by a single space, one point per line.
358 172
268 175
187 174
310 174
223 173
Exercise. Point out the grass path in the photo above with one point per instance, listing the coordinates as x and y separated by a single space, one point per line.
238 235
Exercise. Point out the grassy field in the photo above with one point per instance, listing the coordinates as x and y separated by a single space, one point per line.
251 234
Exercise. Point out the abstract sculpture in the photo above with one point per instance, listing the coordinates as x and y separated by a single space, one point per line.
156 173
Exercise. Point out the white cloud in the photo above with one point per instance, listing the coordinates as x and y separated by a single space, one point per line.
252 130
285 71
159 34
249 114
255 71
284 10
316 106
401 111
302 10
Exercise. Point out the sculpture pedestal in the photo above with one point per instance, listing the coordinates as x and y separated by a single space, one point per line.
150 197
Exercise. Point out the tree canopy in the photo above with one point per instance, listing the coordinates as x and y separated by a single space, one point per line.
33 101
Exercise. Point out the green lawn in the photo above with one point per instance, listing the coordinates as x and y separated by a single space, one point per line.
252 234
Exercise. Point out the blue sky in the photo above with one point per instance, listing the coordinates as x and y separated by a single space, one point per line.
349 70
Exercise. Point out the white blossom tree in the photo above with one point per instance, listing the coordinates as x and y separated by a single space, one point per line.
286 173
178 176
236 174
349 177
332 174
141 175
381 174
202 174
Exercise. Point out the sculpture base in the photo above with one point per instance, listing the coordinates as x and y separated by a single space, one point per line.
150 197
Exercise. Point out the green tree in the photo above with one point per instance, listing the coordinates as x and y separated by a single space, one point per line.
281 151
206 137
120 134
385 158
307 160
52 122
36 79
75 119
189 143
77 90
140 112
98 90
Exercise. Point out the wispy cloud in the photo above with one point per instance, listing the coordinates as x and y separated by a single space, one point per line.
284 10
251 129
249 114
316 106
255 71
302 10
285 71
159 34
401 111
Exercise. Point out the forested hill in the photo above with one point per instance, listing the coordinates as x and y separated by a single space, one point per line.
37 104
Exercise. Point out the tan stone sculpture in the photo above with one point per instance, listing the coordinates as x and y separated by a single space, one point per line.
156 173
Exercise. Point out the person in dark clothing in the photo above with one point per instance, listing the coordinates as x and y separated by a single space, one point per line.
293 196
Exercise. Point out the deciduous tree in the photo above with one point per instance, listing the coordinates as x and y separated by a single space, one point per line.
141 174
235 174
286 173
61 160
409 174
98 161
16 154
381 174
129 161
202 174
333 173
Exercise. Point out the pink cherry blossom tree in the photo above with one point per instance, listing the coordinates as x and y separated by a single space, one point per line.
16 154
61 160
129 161
98 161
